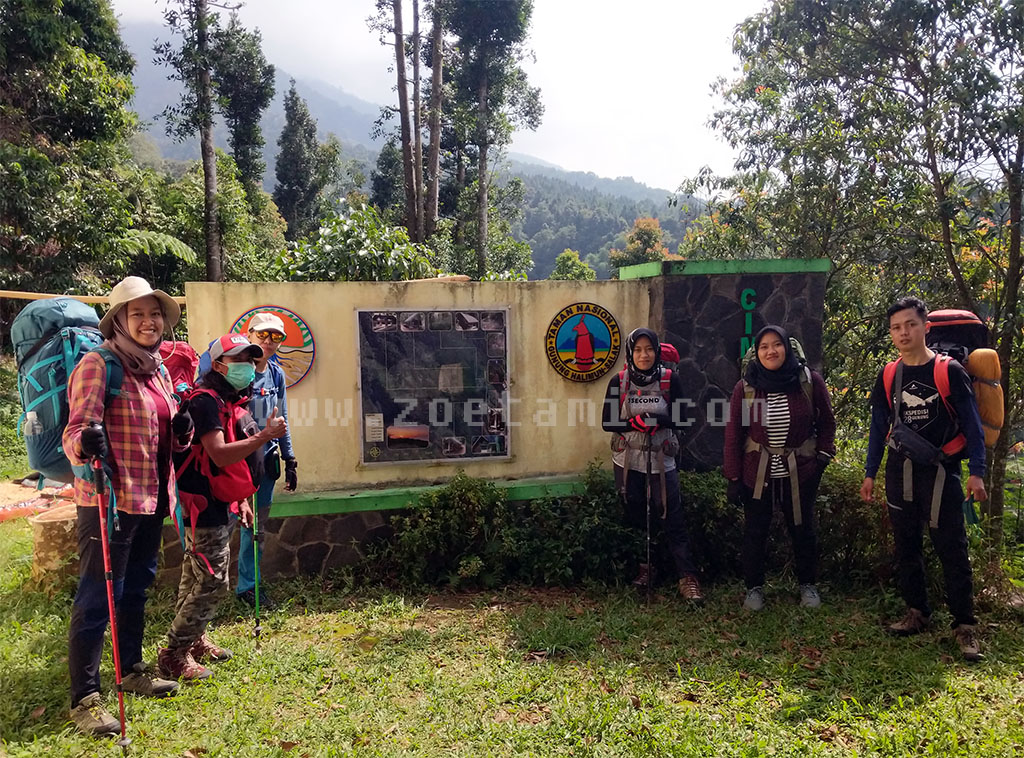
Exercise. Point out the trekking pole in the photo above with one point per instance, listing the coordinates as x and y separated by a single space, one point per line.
257 630
99 479
650 568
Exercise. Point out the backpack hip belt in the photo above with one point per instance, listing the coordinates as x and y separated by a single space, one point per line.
807 449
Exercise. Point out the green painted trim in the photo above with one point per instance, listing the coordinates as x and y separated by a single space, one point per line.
640 271
344 501
720 267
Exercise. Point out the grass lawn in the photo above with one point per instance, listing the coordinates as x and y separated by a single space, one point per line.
532 672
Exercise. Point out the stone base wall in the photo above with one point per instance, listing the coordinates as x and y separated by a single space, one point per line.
294 545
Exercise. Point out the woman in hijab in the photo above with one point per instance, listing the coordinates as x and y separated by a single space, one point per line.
642 411
780 437
132 433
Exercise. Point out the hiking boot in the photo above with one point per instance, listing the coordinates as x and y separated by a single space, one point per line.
178 663
689 589
249 598
203 649
809 597
90 717
913 622
755 599
144 681
643 576
967 639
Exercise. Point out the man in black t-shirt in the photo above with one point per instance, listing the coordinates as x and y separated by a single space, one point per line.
918 492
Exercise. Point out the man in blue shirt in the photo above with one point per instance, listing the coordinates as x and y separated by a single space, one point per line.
268 392
929 423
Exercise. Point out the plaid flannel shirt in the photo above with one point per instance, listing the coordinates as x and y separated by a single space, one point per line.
132 433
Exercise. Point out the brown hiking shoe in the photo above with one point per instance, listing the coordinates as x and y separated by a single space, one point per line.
178 663
144 681
90 717
689 589
913 622
967 639
643 576
203 649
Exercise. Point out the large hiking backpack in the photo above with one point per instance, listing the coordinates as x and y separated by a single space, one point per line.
50 337
182 363
964 337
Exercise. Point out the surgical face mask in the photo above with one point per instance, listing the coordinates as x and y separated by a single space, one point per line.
240 375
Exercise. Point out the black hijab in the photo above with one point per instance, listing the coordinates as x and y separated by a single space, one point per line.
636 376
784 379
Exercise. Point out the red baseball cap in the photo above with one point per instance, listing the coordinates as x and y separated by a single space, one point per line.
231 345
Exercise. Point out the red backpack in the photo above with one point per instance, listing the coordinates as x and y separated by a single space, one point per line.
182 363
199 478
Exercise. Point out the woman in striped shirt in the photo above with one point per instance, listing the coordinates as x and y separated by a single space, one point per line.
780 437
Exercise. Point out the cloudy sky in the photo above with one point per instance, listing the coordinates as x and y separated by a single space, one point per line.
626 84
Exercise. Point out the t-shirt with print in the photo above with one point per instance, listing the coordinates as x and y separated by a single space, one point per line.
923 410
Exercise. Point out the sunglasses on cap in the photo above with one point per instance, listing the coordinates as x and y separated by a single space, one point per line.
275 337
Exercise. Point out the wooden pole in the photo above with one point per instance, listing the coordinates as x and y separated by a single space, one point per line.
90 299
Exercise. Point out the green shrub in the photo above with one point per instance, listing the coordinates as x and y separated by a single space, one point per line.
468 534
13 458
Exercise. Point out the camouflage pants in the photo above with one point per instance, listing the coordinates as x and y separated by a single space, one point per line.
202 586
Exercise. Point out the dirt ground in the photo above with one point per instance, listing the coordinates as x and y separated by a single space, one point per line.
15 493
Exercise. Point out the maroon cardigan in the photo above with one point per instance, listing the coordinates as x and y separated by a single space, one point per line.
802 417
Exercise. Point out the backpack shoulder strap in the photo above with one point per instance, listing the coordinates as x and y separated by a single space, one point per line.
807 382
623 388
665 383
115 372
888 375
941 376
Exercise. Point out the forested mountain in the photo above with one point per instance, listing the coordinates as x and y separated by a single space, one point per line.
560 214
563 209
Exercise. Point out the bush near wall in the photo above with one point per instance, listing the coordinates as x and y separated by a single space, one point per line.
468 535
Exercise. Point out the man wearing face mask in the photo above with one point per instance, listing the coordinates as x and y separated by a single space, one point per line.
218 475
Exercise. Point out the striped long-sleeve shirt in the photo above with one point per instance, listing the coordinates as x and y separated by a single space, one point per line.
133 432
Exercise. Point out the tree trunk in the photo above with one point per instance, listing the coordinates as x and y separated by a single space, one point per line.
459 233
54 545
434 152
481 191
403 111
214 258
994 507
417 165
941 202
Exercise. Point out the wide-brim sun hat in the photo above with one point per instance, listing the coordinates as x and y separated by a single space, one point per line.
132 288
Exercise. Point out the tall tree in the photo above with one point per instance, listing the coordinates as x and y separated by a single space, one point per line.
864 131
245 87
436 90
65 83
192 64
492 39
305 168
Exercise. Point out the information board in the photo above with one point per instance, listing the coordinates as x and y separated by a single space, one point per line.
433 385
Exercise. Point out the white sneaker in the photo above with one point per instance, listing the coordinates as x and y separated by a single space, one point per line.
755 599
809 597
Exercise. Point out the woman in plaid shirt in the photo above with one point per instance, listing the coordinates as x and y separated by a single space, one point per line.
133 434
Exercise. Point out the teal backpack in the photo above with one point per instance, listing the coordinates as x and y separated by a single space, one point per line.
50 337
